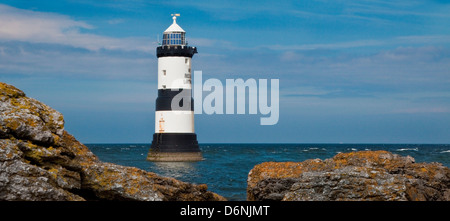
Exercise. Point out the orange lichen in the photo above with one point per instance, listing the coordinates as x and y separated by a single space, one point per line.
53 172
55 138
12 124
278 170
10 91
31 145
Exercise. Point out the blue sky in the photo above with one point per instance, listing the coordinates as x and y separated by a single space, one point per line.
366 71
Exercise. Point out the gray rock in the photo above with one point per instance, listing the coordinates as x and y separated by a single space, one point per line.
364 175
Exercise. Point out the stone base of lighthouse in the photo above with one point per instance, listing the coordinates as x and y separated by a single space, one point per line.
172 147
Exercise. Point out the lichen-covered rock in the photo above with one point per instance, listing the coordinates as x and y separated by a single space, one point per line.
39 160
363 175
26 118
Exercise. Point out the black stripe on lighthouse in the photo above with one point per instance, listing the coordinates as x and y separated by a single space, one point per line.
175 142
175 51
182 96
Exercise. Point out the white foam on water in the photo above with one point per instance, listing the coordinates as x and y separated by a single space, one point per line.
405 149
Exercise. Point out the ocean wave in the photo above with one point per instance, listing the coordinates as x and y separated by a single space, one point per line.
405 149
313 149
445 151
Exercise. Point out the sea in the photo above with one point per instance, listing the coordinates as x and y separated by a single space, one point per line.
225 166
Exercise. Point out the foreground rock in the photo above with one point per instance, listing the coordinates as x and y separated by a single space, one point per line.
364 175
39 160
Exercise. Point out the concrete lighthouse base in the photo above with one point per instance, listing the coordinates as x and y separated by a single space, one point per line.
174 147
174 157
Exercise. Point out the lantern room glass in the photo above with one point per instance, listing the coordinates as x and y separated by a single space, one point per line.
174 38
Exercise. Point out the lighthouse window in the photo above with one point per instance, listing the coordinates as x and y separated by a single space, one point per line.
174 39
164 72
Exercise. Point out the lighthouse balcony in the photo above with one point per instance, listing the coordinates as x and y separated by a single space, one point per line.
175 50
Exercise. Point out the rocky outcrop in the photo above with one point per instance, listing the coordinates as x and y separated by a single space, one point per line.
364 175
39 160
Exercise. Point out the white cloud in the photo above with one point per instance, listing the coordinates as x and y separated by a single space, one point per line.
307 91
207 42
59 61
41 27
416 110
290 56
410 40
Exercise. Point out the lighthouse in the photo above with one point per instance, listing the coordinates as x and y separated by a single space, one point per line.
174 138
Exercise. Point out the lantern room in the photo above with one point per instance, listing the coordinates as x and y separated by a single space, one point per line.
174 35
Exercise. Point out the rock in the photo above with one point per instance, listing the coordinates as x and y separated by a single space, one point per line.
354 176
26 118
39 160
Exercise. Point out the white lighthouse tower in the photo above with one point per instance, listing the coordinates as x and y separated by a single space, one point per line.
174 138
